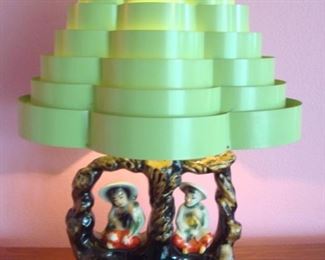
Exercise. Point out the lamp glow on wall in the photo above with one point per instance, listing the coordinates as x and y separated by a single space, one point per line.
158 80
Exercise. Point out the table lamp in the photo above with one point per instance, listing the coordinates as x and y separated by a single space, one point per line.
161 88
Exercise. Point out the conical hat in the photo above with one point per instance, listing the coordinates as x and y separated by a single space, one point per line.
185 185
132 190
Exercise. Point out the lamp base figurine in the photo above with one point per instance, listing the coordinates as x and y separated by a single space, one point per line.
121 239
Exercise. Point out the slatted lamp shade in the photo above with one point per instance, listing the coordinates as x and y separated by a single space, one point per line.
158 80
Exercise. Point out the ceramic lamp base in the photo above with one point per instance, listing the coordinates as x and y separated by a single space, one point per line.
164 177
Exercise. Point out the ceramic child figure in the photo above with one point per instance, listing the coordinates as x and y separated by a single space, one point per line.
125 219
192 235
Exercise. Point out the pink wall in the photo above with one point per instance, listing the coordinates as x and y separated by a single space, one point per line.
280 191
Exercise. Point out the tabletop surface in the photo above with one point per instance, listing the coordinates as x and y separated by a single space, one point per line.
257 250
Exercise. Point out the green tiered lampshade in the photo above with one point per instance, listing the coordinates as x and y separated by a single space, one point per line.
158 80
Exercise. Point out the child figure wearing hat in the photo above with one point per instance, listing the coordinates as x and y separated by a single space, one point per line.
192 235
125 219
